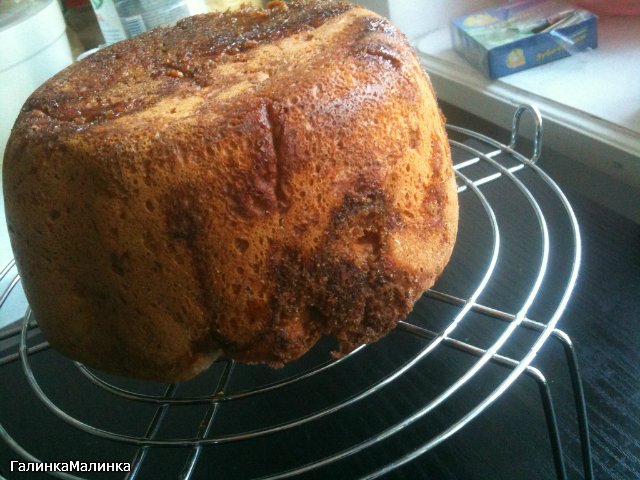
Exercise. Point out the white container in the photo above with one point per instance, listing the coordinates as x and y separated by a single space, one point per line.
34 47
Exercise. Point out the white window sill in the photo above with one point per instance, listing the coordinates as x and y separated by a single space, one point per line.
590 102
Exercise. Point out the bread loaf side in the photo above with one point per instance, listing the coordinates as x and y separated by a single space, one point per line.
242 182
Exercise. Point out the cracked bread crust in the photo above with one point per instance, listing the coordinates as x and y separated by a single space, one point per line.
241 182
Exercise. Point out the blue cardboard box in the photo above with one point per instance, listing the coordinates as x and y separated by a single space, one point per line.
524 34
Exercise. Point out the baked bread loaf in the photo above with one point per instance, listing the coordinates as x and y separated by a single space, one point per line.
242 182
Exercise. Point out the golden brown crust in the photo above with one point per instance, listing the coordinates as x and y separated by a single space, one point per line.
243 182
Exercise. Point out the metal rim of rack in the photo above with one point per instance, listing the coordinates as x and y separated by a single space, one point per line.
433 339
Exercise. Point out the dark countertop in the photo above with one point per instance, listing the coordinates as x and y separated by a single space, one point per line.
507 441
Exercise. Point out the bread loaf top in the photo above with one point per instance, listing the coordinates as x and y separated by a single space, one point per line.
172 73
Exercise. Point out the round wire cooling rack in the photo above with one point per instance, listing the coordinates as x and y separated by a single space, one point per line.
390 395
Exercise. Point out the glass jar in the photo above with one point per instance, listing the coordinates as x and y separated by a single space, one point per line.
119 19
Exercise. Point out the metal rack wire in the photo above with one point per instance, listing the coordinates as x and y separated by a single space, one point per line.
480 162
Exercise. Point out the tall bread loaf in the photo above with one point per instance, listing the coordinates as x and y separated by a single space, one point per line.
241 182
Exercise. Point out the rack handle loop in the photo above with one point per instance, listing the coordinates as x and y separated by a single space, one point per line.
537 133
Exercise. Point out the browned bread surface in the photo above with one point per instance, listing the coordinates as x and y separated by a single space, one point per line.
241 182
